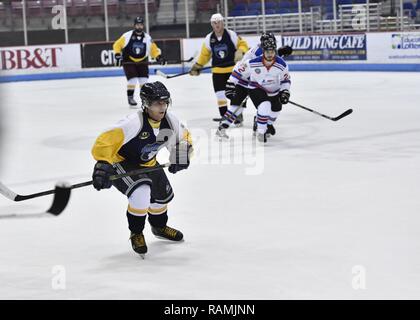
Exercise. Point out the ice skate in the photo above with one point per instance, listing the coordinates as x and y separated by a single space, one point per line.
138 243
168 233
254 126
271 131
262 137
221 132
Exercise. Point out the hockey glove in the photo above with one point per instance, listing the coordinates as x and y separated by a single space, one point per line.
284 96
161 60
285 51
238 55
230 90
180 157
196 69
101 173
118 59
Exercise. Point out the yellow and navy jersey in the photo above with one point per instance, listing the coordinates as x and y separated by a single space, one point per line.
138 139
221 50
135 47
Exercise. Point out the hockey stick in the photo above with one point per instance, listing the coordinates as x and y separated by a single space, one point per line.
160 73
344 114
62 192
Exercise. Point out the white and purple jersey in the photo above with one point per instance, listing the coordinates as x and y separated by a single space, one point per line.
253 74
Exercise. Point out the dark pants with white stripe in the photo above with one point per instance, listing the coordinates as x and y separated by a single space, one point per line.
148 195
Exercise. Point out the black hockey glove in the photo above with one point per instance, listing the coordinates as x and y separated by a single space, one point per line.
161 60
284 96
196 69
101 173
180 157
230 90
285 51
118 59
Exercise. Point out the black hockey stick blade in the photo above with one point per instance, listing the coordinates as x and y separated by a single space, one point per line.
61 199
344 114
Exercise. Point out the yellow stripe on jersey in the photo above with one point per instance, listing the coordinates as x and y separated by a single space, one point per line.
159 210
107 145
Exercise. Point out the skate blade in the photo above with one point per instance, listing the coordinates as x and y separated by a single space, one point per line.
142 256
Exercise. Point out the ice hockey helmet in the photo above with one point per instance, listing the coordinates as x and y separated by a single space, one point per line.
216 17
268 41
138 20
154 91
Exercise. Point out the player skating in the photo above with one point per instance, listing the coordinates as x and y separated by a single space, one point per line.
237 87
224 47
132 51
133 143
268 81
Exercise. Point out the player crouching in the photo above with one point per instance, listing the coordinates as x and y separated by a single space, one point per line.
268 81
134 143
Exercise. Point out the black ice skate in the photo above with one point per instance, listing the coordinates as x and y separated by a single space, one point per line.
132 102
254 126
221 131
239 121
168 233
271 131
138 243
262 137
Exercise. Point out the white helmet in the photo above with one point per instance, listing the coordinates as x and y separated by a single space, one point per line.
216 17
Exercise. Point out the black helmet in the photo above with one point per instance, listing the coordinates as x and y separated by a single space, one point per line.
268 41
138 20
154 91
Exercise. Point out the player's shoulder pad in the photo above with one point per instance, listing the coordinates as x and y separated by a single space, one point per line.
257 59
258 50
280 60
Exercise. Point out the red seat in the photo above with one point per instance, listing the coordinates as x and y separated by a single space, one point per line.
34 8
96 8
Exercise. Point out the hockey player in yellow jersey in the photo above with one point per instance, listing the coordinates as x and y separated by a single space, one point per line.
132 50
133 143
224 48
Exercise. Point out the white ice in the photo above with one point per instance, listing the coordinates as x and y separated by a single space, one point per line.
335 213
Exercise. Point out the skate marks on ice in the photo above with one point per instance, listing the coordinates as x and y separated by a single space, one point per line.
74 142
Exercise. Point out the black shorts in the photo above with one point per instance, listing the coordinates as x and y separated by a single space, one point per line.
161 189
258 95
136 70
219 81
240 94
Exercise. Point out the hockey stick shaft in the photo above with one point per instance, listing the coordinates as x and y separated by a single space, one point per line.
188 72
17 197
344 114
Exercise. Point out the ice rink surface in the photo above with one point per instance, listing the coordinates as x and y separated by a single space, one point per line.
333 206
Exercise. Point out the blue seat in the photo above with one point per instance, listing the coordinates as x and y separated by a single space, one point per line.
254 6
270 6
237 13
240 7
408 6
418 5
344 2
314 3
270 11
253 13
283 10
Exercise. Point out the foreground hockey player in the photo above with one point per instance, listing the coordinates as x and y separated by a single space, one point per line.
132 51
268 80
237 87
133 143
224 47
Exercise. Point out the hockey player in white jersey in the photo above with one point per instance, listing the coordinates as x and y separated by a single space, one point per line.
267 78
